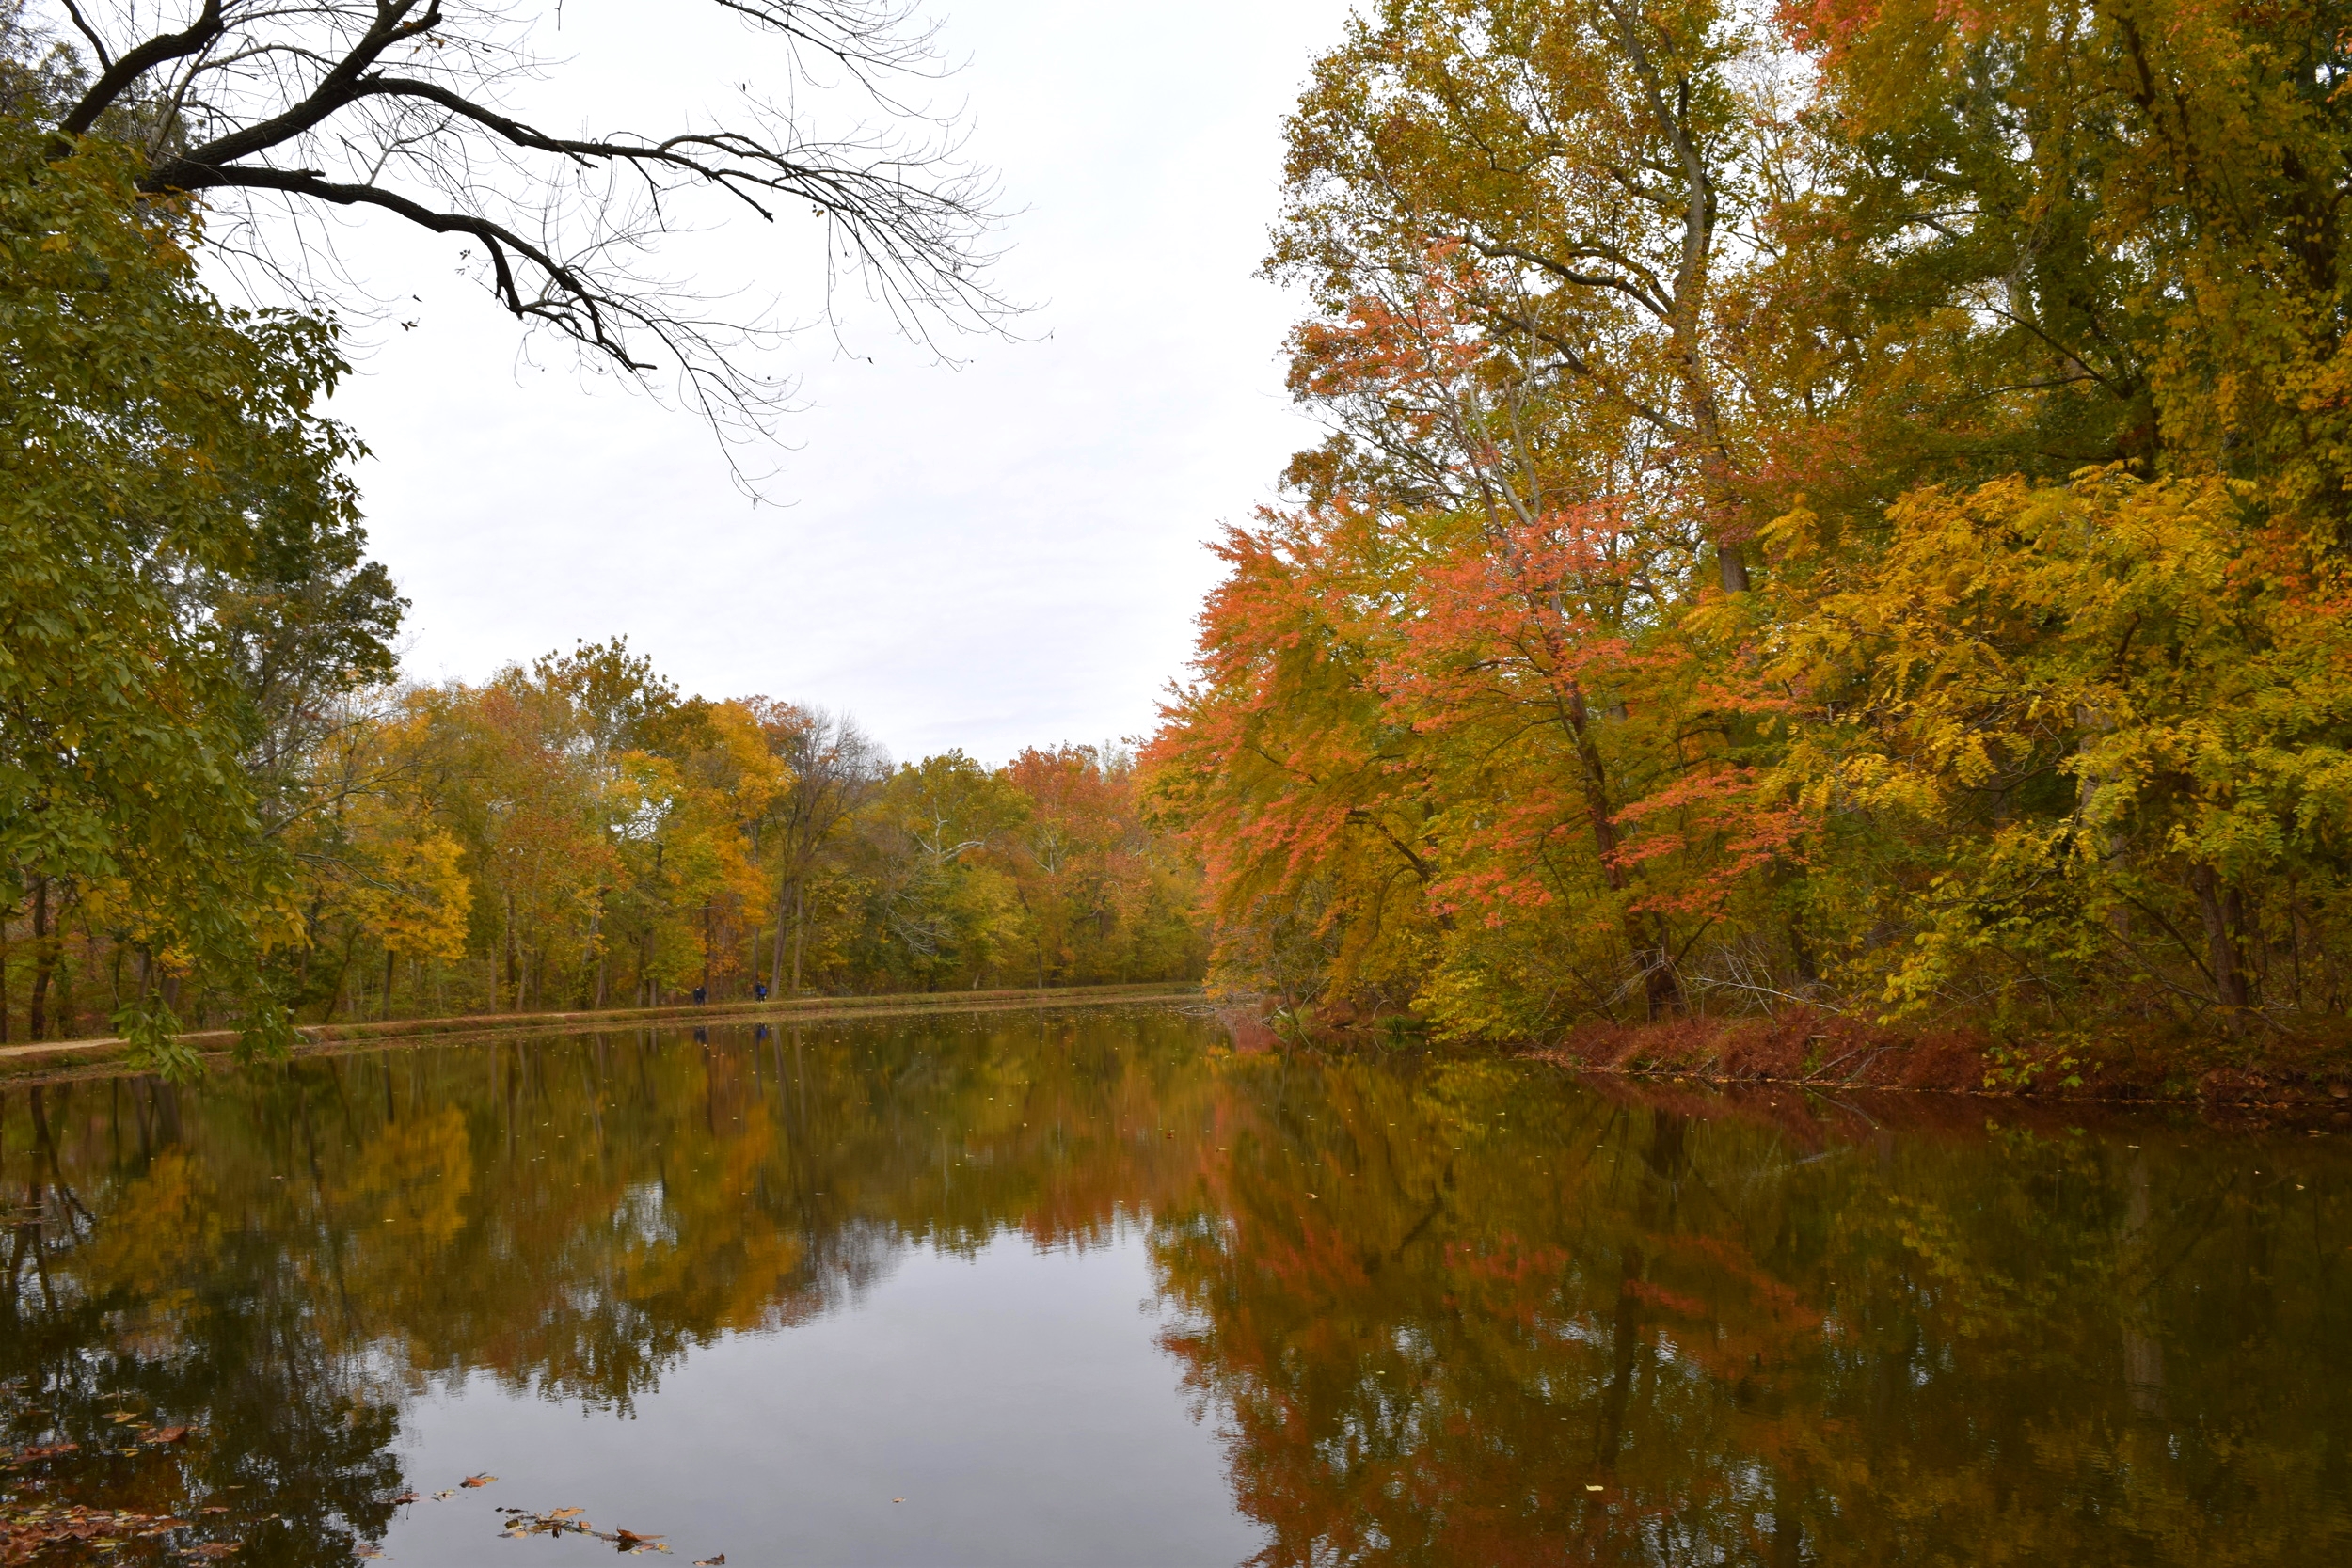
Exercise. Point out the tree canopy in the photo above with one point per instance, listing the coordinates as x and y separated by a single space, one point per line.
1845 509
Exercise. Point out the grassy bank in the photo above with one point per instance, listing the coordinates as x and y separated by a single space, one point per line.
57 1058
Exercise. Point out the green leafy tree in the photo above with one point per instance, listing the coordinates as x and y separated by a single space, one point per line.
180 575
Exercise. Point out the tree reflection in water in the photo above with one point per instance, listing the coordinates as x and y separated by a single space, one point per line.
1444 1310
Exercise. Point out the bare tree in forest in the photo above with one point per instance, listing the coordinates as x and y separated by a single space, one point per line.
275 111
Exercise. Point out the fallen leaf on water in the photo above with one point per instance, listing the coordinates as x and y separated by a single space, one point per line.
444 1495
405 1497
478 1481
369 1551
718 1561
214 1548
165 1435
1592 1488
568 1521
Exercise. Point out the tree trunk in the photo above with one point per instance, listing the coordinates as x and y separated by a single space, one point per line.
788 899
800 935
2219 904
1733 563
1662 987
390 958
342 972
7 913
37 1016
514 975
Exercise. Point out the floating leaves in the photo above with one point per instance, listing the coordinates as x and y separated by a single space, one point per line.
482 1480
572 1521
25 1528
40 1451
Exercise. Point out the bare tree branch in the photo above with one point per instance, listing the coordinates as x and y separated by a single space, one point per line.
267 110
120 74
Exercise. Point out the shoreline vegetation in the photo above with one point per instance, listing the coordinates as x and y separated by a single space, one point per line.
1818 1052
113 1054
1829 516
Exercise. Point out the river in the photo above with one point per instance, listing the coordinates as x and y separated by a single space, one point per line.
1093 1288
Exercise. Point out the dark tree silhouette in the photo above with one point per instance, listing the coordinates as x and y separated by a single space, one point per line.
271 110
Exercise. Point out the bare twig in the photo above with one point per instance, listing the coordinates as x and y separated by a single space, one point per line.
270 110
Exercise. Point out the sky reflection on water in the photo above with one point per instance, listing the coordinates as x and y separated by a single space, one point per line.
1090 1288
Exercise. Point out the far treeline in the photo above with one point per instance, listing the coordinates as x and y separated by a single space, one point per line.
577 834
1840 505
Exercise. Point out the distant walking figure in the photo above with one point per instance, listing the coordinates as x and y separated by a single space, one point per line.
700 996
760 990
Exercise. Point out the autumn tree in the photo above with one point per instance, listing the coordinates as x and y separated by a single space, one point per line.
181 581
834 769
1993 360
1104 897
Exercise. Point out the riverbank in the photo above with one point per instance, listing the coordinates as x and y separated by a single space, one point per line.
1826 1051
51 1058
1822 1050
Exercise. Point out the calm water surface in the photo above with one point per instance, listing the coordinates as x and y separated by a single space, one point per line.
1092 1289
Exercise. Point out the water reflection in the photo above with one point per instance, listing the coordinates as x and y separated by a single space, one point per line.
1443 1312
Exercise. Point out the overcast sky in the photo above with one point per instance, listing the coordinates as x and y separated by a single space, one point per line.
990 557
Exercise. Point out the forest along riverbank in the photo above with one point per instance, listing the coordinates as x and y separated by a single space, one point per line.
112 1053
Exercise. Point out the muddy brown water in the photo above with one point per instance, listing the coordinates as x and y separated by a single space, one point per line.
1094 1289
